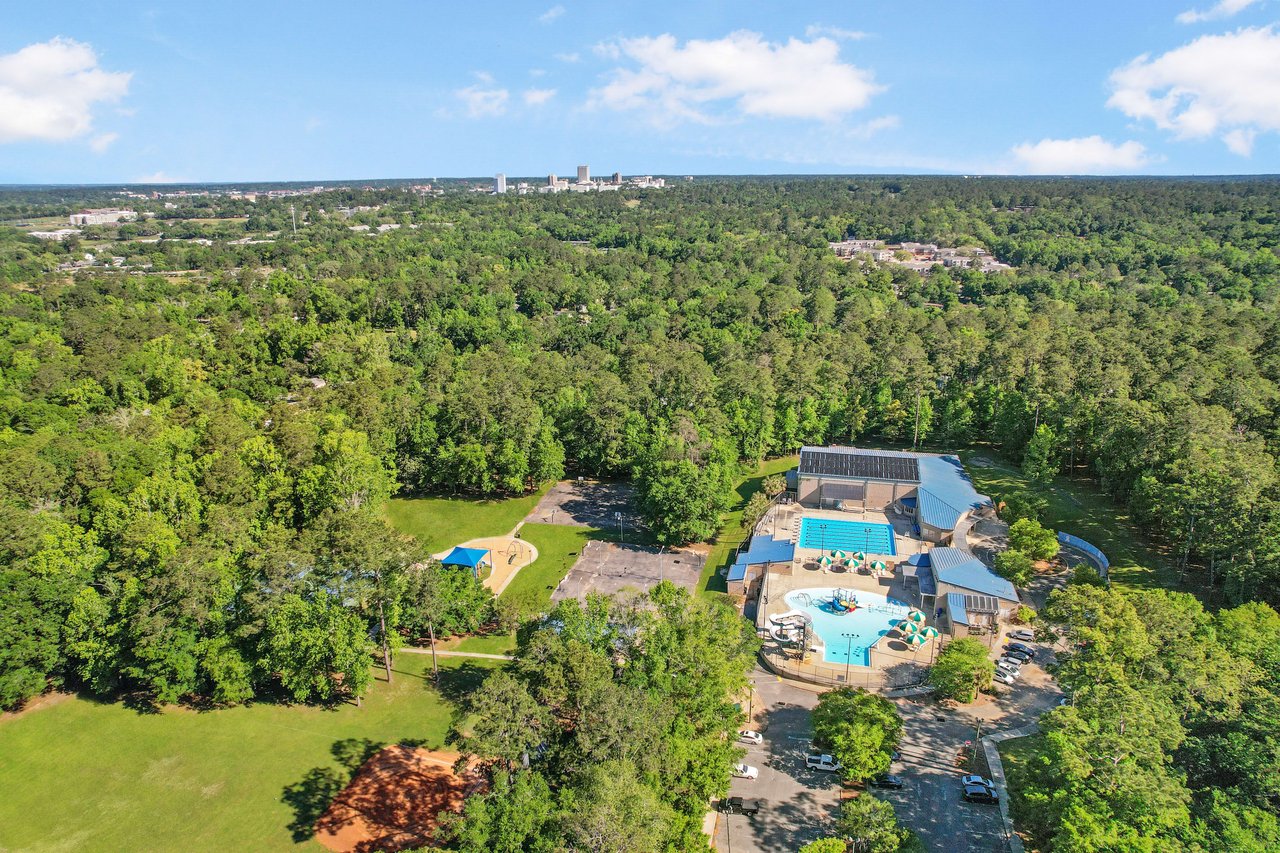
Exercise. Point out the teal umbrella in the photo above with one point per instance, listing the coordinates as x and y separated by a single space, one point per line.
915 616
878 565
929 631
907 627
916 640
825 560
838 555
859 556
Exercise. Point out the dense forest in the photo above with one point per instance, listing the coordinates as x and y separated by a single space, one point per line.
194 445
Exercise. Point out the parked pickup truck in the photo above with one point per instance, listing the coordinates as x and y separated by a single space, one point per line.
740 805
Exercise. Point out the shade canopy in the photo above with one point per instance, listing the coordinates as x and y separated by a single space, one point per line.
472 558
915 616
859 555
878 565
838 554
916 640
825 560
928 631
907 627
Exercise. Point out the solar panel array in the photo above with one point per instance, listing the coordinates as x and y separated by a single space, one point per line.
862 464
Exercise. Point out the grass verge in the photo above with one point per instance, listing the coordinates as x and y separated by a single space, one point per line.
88 775
1019 757
732 532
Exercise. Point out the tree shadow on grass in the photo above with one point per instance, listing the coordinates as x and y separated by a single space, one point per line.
456 682
312 795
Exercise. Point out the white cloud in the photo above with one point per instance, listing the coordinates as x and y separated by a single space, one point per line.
814 30
569 57
1223 9
48 90
551 14
102 141
1088 155
537 97
798 79
483 102
1219 85
868 129
159 178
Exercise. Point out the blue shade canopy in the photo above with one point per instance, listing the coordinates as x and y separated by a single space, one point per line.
472 558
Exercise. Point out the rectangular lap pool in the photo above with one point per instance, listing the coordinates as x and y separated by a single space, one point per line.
830 535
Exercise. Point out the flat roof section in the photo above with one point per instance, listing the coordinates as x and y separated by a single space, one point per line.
859 464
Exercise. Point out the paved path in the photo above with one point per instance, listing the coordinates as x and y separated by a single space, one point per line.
453 654
996 766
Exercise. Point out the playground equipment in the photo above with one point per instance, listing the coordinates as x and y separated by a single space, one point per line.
843 601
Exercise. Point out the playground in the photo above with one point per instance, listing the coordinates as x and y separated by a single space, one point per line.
505 557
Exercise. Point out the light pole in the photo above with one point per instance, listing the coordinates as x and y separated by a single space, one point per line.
660 550
618 516
848 655
822 539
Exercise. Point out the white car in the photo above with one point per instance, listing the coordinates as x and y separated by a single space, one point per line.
1011 671
976 780
753 738
1010 663
745 771
1024 634
822 762
1005 678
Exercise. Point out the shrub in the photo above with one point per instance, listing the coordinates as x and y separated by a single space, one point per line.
1016 566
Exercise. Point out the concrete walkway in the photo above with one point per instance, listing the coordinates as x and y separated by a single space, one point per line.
996 766
415 650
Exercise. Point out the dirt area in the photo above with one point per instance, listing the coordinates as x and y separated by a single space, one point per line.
393 801
606 568
38 703
588 503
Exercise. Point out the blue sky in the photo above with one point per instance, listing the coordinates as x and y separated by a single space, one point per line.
257 91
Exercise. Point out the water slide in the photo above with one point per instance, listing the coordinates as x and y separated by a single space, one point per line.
789 616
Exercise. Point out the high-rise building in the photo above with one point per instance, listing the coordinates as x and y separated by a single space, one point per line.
584 174
551 179
617 177
500 183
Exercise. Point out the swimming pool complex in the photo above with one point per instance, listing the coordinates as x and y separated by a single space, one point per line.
848 637
830 534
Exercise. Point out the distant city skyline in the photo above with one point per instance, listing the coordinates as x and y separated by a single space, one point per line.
259 92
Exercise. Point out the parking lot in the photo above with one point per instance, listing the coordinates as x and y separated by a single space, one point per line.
589 503
800 805
607 568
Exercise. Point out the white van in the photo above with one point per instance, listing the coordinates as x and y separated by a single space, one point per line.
822 762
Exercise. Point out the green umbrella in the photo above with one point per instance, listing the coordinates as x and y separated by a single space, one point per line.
916 640
915 616
929 631
838 554
907 627
859 556
878 565
825 561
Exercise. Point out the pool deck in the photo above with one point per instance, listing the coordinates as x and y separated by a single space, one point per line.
893 662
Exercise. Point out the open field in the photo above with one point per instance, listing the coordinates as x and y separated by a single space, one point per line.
732 533
1080 509
444 522
85 775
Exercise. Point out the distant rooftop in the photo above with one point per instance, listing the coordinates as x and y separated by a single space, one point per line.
960 568
858 463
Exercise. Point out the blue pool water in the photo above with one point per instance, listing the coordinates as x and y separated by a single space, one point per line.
850 536
875 616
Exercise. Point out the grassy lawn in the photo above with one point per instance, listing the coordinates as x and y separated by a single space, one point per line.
732 533
1078 508
86 775
1017 756
444 522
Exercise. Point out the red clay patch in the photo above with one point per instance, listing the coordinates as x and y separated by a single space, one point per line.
393 801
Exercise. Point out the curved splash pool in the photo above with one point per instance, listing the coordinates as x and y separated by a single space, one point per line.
848 637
